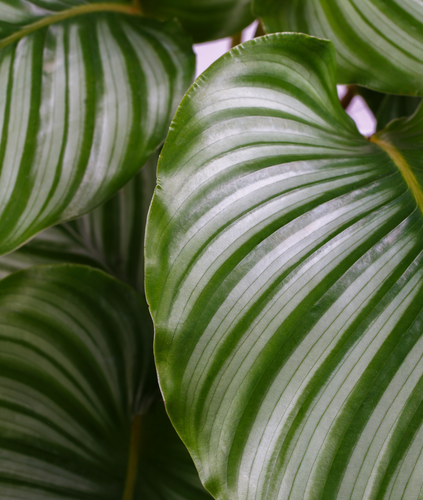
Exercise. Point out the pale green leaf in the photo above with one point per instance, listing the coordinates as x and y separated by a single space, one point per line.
284 272
379 43
83 104
111 237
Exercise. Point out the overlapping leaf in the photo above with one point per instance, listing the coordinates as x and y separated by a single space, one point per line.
114 232
111 237
77 389
56 245
206 19
83 104
17 15
284 274
387 107
379 44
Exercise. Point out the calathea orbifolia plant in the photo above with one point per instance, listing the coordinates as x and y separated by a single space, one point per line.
87 92
283 252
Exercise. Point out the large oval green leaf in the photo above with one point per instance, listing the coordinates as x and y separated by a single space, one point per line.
111 237
284 275
379 43
83 104
204 19
77 391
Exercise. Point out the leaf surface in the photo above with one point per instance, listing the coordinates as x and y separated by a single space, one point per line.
111 237
17 15
77 394
379 44
83 104
204 20
284 273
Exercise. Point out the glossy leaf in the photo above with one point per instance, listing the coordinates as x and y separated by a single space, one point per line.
379 44
284 272
111 237
204 19
83 104
77 387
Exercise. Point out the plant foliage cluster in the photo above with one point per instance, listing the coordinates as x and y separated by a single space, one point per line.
281 257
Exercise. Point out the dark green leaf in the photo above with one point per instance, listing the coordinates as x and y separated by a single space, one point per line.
17 15
53 246
77 386
284 271
372 97
83 104
379 43
165 468
395 106
204 19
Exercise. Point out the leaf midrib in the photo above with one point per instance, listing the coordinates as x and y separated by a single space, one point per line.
403 167
131 9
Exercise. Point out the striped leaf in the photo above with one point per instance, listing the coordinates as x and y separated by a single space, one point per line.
55 245
111 237
284 273
206 19
19 15
379 43
77 390
114 232
83 104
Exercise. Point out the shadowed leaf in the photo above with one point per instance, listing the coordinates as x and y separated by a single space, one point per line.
78 391
379 44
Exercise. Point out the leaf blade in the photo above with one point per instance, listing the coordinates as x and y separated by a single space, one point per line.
205 21
379 44
76 370
85 137
111 237
285 282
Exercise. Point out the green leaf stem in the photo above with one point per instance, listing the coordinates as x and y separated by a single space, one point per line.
379 44
284 273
